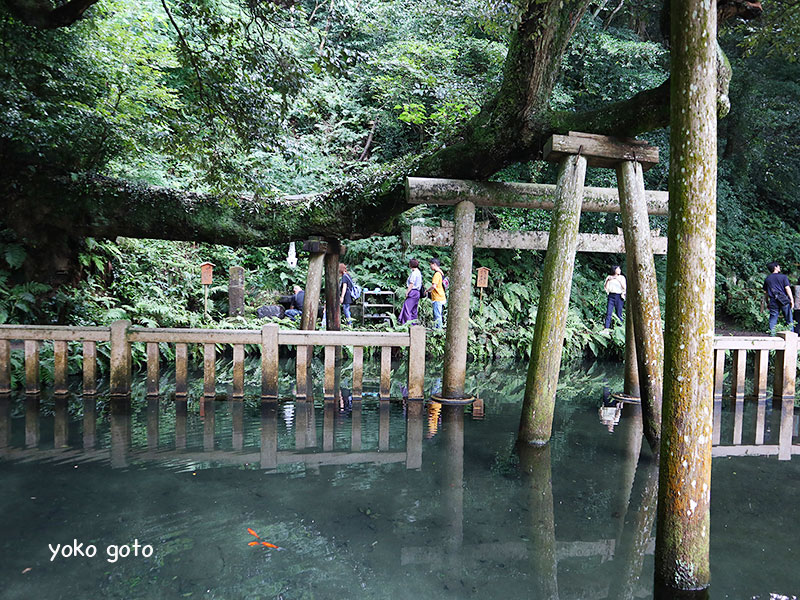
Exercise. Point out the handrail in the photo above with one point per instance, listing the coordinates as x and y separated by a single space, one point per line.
120 335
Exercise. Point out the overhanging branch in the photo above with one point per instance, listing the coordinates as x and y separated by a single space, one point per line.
42 14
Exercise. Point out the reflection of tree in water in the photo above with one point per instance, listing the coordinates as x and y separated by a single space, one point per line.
535 466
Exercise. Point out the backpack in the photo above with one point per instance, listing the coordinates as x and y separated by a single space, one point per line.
446 283
355 290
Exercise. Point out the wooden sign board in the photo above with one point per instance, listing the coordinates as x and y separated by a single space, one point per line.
478 410
483 277
206 273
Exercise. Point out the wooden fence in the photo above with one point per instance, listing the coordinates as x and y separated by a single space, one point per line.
120 335
785 347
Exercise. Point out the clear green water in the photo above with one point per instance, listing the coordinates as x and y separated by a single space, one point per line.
385 500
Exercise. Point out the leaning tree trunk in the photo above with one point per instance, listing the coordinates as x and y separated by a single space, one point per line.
682 536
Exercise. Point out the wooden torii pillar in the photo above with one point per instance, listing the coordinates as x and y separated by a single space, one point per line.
324 255
596 151
574 152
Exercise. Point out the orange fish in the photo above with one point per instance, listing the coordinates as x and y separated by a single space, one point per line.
268 545
253 544
251 532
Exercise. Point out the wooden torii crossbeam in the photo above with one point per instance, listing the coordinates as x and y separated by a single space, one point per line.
444 192
483 237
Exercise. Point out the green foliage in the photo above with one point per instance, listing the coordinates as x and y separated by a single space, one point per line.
297 97
602 66
18 302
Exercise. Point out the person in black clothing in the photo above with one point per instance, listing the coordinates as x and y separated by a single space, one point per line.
346 295
296 308
778 295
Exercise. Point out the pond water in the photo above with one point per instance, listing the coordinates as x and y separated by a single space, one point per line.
374 499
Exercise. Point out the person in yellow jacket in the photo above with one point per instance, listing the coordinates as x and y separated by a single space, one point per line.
436 292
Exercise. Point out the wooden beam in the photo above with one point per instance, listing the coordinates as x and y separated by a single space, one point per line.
423 190
527 240
601 150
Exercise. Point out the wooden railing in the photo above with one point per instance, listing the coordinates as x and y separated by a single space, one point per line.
785 347
120 335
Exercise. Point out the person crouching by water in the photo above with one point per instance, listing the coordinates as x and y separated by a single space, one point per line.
413 289
616 287
436 292
778 295
346 293
296 308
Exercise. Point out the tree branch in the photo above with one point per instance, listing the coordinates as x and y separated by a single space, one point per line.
43 15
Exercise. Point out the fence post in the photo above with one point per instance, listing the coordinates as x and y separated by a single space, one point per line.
31 366
269 361
209 370
152 369
416 363
181 370
89 368
120 377
386 371
719 372
737 379
238 371
760 374
785 366
60 368
329 385
5 366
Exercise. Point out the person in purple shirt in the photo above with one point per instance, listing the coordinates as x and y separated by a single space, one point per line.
778 295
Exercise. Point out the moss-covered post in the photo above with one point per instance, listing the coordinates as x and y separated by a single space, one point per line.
682 534
455 354
643 303
120 359
631 365
332 288
313 286
310 307
536 422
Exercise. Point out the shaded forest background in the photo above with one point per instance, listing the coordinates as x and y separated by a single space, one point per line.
299 97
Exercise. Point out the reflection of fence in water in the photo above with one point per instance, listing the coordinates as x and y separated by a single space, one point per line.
268 454
120 336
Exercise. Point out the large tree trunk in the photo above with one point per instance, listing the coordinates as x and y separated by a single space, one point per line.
683 531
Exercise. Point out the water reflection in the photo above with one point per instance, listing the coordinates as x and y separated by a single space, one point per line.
224 442
760 428
536 467
371 498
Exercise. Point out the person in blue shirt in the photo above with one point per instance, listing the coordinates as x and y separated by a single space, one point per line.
778 295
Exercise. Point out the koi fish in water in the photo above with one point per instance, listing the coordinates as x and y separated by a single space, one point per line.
261 543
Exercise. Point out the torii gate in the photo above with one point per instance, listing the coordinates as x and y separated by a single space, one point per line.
567 198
